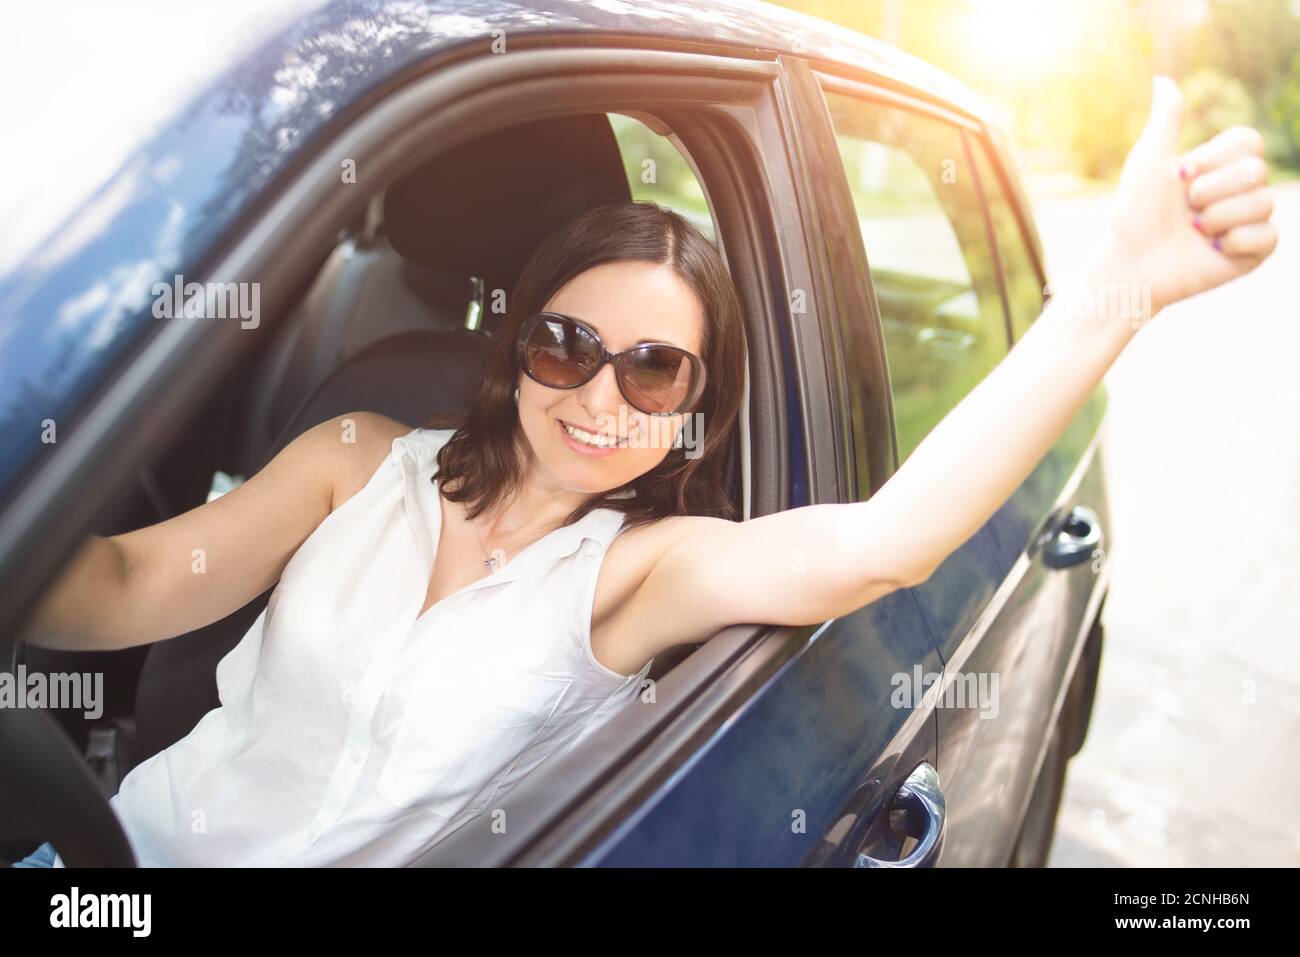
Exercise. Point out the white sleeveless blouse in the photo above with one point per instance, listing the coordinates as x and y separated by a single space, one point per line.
351 731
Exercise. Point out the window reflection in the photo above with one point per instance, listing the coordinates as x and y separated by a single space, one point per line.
935 279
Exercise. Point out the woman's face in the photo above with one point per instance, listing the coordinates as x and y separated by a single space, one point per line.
624 302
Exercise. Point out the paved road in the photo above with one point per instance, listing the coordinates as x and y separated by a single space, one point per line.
1193 757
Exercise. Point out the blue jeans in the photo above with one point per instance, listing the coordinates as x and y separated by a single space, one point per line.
43 856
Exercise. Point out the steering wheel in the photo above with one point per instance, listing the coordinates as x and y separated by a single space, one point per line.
66 800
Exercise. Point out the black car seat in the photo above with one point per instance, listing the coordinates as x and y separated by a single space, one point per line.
445 237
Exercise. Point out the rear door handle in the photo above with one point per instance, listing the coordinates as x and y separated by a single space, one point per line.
1072 540
917 810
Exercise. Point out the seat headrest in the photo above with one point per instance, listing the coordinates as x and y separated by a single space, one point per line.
482 208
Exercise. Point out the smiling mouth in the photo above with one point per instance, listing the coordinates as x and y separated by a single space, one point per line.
594 439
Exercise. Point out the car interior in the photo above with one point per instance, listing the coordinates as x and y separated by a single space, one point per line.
396 321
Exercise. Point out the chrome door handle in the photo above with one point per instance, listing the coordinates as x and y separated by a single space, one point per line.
917 810
1073 541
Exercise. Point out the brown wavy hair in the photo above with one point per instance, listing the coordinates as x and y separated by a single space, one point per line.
481 461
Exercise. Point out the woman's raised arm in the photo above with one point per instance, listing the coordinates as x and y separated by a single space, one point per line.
811 564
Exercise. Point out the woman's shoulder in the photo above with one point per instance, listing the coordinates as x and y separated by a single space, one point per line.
364 441
367 439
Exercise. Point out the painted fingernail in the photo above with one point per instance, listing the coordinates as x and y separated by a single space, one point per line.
1196 224
1217 244
1184 171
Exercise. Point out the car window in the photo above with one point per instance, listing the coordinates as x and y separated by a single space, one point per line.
1024 288
927 244
657 171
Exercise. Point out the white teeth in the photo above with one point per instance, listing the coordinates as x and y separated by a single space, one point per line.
600 441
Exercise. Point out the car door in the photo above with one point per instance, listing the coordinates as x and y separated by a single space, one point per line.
1003 615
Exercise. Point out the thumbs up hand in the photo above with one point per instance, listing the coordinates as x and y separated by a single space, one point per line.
1187 223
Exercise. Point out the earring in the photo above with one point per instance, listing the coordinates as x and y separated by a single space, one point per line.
516 395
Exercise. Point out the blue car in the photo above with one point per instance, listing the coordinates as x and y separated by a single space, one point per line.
353 188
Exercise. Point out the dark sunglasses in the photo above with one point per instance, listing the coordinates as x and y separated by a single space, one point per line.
562 352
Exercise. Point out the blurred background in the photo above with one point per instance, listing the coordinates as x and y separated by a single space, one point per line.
1064 79
1190 758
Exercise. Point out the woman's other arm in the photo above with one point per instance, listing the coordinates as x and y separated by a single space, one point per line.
189 571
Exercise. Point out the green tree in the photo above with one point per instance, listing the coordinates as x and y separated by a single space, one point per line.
1253 41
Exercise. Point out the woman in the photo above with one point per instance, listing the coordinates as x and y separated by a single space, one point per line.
455 607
